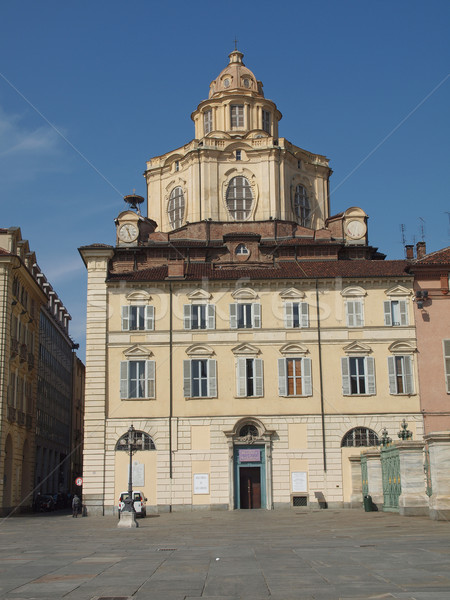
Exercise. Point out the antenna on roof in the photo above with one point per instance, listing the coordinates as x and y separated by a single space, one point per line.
402 229
422 228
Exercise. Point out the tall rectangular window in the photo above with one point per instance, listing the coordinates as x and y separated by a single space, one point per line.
199 316
446 344
249 377
358 375
355 313
138 318
296 314
137 379
237 116
200 378
245 316
207 121
266 120
400 375
294 377
395 313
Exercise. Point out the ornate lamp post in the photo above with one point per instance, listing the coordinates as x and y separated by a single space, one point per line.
128 514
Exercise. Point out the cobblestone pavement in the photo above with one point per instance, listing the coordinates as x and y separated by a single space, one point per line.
207 555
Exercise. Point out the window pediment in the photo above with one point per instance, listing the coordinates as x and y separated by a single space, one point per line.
353 291
357 348
137 352
398 290
244 294
292 294
200 350
199 294
400 347
138 297
296 349
245 350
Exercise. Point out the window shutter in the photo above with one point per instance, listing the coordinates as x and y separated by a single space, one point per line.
288 315
149 318
212 378
304 314
359 313
350 309
409 382
370 374
392 377
282 387
150 378
256 316
403 312
346 390
124 377
125 318
187 378
306 377
241 377
233 316
210 316
187 316
258 374
387 313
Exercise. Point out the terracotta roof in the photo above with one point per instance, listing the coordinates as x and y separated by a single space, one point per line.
284 270
2 251
436 258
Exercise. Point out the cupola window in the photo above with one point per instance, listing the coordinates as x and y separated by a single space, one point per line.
301 205
266 121
239 198
176 208
207 121
237 116
242 250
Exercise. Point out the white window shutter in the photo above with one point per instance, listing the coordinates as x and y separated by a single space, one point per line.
125 318
306 377
408 378
346 389
210 316
150 371
288 315
256 315
187 378
370 374
233 316
241 377
403 312
149 318
350 310
282 387
392 376
212 378
359 313
258 377
304 314
387 313
124 378
187 316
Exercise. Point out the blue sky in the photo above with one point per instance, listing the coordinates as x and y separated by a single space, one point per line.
91 90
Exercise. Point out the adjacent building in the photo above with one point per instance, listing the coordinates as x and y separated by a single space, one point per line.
253 339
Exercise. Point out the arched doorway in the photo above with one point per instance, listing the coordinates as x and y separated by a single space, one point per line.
250 453
8 473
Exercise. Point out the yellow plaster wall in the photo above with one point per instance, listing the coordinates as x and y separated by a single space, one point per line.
200 437
149 460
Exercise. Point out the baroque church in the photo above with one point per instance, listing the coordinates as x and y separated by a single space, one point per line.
255 341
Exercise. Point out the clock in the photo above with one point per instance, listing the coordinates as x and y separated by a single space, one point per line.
356 229
128 232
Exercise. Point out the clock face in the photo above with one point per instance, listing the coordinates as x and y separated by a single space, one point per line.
356 229
128 232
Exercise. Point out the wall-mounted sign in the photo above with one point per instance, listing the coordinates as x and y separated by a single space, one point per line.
299 481
79 481
201 483
138 474
250 455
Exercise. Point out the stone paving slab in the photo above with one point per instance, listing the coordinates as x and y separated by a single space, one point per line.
238 555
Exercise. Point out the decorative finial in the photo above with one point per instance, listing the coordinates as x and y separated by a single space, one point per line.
404 433
235 42
385 439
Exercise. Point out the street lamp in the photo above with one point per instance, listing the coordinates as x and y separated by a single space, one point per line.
128 514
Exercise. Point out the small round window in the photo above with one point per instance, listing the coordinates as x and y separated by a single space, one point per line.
175 208
247 83
242 250
239 198
301 206
226 83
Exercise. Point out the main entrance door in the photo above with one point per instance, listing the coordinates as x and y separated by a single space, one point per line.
249 477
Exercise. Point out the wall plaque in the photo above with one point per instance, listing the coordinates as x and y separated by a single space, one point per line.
138 474
250 455
201 483
299 481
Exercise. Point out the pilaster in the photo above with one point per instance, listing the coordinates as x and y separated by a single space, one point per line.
412 501
439 450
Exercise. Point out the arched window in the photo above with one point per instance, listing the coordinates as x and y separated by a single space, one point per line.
239 198
242 250
176 207
360 436
301 205
248 430
147 442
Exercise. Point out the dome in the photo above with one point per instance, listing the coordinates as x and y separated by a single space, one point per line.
236 78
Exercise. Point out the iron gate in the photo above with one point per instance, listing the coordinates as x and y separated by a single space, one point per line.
392 488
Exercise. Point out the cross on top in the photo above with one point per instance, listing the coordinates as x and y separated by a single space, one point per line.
235 43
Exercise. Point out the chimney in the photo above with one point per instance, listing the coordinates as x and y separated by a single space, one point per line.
421 250
409 252
175 269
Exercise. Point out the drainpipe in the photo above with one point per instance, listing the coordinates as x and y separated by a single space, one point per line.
170 387
322 412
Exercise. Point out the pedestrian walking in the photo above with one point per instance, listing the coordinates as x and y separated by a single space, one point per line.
76 506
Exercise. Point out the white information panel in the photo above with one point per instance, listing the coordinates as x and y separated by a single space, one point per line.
201 483
138 474
299 481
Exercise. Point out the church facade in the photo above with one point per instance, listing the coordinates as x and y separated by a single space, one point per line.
253 339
